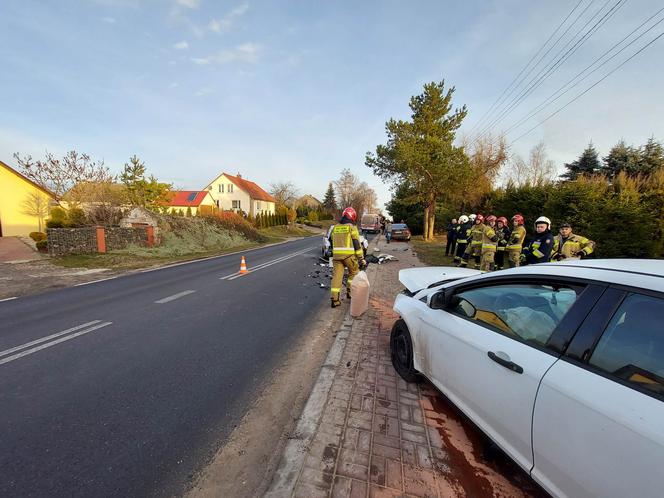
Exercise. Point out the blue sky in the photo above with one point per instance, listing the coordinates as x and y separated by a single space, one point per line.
296 91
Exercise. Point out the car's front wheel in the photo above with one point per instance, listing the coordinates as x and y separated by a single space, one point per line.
401 349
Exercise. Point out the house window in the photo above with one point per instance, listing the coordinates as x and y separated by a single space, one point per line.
221 188
258 206
230 188
236 205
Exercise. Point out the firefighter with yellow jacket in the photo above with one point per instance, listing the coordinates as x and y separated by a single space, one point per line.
474 247
515 242
489 246
568 245
346 253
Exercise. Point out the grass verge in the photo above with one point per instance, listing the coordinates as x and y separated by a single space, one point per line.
431 253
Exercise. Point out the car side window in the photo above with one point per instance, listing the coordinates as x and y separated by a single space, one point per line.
529 312
632 346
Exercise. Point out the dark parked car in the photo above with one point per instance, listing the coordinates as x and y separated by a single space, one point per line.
400 231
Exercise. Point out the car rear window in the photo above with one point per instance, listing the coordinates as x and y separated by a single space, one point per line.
399 226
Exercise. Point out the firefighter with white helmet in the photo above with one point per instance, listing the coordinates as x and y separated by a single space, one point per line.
463 235
346 253
540 247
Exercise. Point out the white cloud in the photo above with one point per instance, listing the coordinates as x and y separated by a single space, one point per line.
191 4
183 45
224 24
108 20
247 53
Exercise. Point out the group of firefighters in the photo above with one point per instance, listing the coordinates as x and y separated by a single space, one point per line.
493 245
489 242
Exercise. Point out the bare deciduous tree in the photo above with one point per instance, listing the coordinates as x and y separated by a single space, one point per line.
537 171
351 192
284 192
487 155
61 175
36 204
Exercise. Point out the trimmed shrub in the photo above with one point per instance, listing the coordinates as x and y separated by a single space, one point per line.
37 236
76 217
55 224
42 245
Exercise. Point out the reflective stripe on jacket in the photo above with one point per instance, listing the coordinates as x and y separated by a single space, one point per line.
573 247
515 242
476 234
345 241
489 238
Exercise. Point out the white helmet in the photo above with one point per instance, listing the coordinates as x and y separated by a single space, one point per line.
463 219
472 217
543 219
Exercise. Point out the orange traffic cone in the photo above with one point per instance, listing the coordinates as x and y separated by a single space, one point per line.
243 267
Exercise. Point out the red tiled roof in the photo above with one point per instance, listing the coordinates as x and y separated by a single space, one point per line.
187 198
254 191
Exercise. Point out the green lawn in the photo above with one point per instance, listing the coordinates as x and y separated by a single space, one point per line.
432 253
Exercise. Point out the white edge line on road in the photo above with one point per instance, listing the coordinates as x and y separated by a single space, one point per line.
8 299
174 297
47 338
53 343
95 281
235 275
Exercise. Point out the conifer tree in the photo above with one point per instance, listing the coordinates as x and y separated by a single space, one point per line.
587 164
329 203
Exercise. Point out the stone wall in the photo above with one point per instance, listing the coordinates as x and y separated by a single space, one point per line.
119 238
63 241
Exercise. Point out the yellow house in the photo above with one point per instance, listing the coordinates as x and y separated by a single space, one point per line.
24 205
235 193
191 199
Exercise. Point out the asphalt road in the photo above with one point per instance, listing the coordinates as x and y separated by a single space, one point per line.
126 387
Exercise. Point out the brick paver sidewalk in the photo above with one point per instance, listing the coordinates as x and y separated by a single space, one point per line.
379 436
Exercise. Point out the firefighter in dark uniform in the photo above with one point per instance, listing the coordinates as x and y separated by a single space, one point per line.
503 232
540 247
463 232
346 253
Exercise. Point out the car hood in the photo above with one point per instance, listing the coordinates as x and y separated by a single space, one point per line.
415 279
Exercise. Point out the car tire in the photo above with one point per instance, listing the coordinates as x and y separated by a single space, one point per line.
401 351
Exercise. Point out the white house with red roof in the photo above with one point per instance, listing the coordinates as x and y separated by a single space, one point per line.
196 201
235 193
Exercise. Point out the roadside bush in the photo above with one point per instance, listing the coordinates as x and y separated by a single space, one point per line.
42 245
37 236
55 224
76 217
235 222
312 216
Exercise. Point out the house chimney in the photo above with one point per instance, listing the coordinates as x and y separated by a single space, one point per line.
239 175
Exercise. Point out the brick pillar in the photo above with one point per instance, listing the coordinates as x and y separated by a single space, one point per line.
149 230
101 240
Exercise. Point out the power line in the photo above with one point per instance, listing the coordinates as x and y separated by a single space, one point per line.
539 78
563 89
498 100
589 88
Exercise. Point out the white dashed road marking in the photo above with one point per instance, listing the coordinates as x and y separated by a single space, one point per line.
174 297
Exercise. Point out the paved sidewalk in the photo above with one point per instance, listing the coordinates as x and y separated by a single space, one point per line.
15 250
367 433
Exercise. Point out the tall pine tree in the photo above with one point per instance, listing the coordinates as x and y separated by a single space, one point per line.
652 157
329 203
622 157
587 164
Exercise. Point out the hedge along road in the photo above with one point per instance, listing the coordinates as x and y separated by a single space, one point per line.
126 387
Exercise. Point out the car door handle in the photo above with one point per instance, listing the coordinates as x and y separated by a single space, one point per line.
506 363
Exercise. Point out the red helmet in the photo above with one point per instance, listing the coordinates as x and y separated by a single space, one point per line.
518 218
479 219
503 220
350 213
491 219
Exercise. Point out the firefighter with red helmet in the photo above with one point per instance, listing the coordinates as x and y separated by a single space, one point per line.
346 253
489 240
515 241
474 248
503 232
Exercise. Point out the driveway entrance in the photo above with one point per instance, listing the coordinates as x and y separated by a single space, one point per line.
13 249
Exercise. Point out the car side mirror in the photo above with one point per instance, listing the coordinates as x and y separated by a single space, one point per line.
438 301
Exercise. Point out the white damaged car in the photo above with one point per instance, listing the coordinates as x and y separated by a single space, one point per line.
561 365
